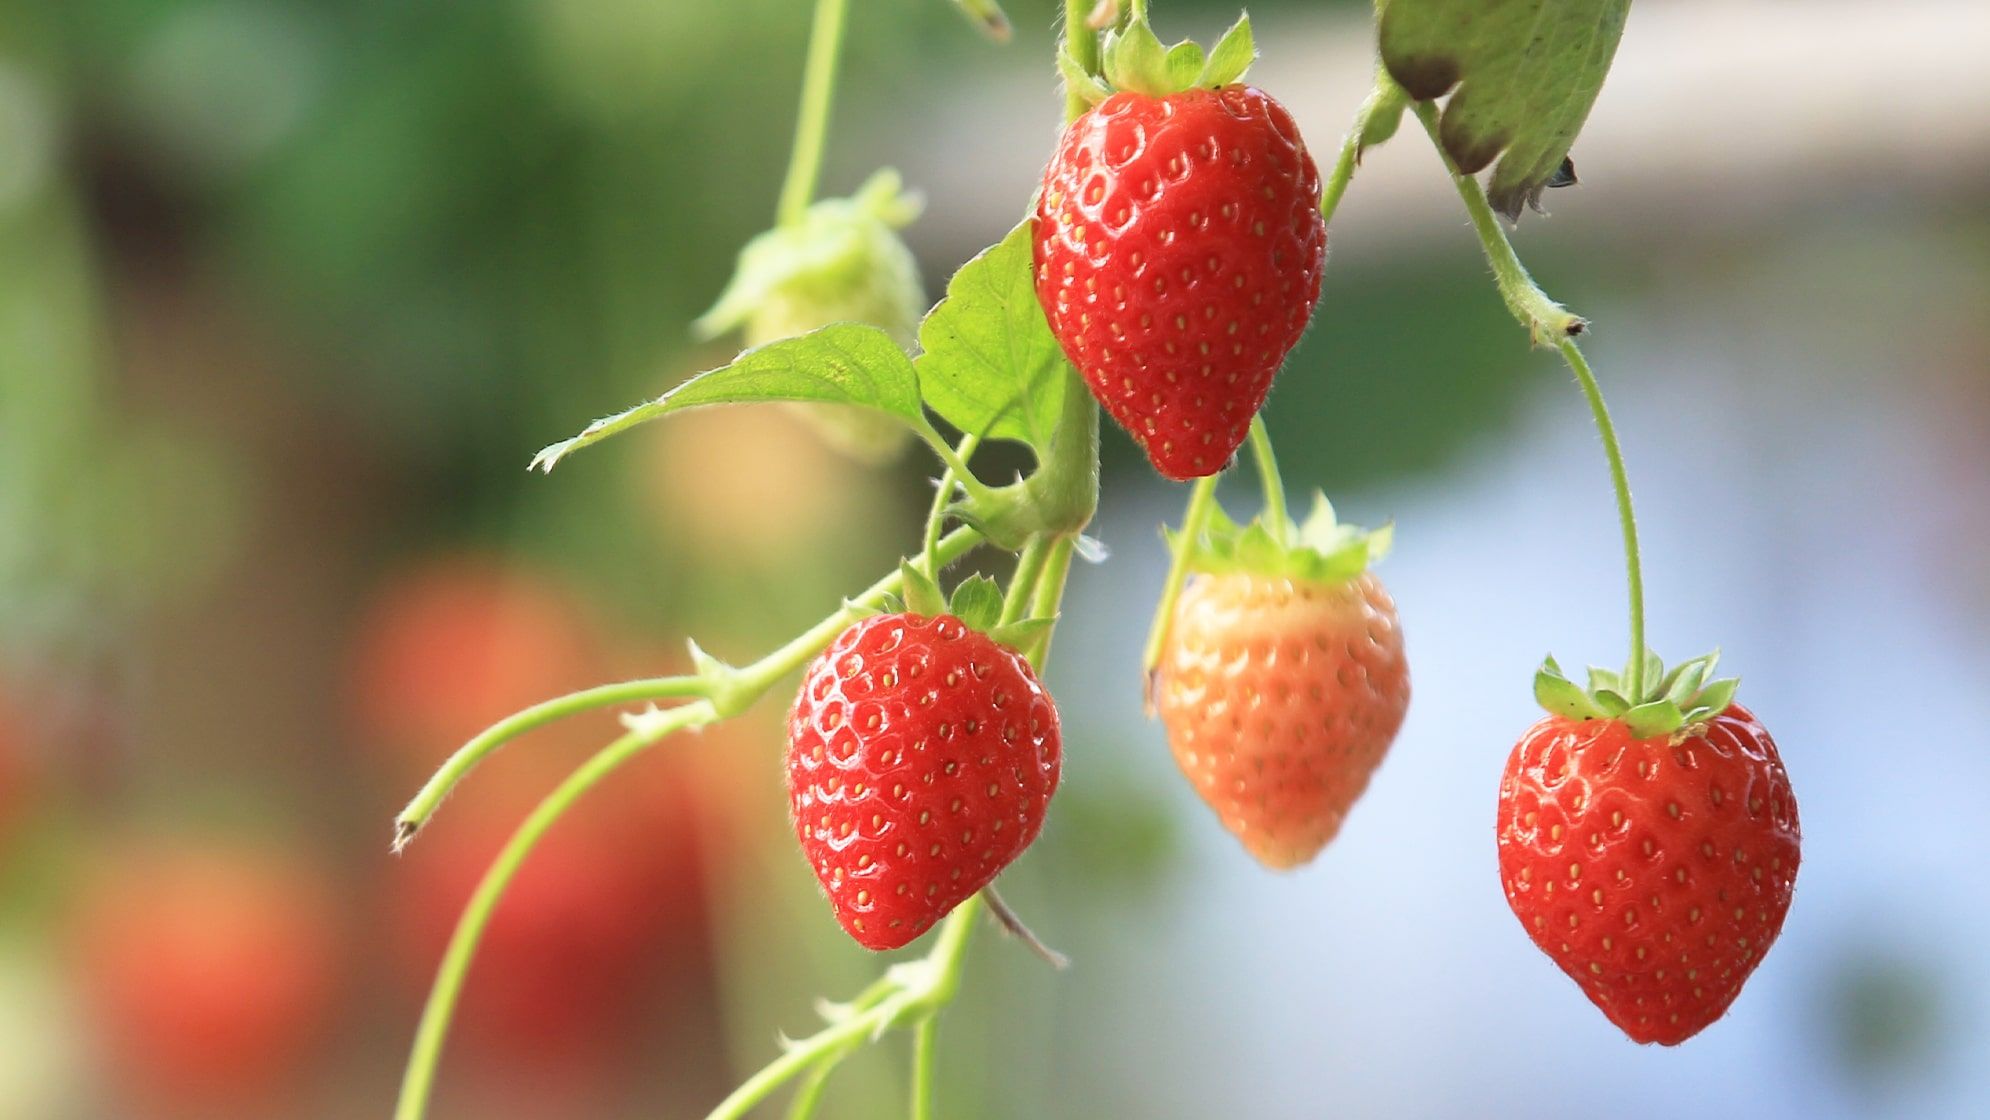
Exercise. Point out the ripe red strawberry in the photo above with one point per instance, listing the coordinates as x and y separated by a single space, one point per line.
1178 252
1282 682
210 974
921 758
1652 859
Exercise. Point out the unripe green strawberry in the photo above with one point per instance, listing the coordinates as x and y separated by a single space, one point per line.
1649 849
842 262
1282 681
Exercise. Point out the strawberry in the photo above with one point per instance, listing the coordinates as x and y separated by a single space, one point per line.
1178 251
1282 679
1649 849
921 759
210 974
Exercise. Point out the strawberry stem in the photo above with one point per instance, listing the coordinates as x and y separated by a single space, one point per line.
1274 487
749 681
1201 500
1545 319
825 42
1627 519
924 1054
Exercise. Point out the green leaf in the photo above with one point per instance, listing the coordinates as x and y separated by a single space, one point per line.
1604 680
977 601
1526 74
922 595
1683 683
1184 64
845 363
1231 56
990 363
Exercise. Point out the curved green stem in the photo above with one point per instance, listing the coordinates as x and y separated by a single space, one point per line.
1016 601
511 727
924 1059
1268 478
808 1095
825 42
1547 320
1050 589
936 514
441 1005
741 686
953 460
1627 518
1083 44
1201 500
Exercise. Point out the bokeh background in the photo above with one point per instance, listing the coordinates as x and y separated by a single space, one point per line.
289 293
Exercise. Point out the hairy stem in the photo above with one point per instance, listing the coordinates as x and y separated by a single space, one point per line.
1022 582
1083 45
434 1027
924 1059
825 43
1201 500
511 727
740 686
1546 321
1627 518
1268 478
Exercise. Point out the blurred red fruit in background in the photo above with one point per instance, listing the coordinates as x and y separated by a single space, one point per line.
210 974
606 919
457 643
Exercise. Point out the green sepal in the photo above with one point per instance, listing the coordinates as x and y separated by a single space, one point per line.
1321 550
1185 64
977 601
1024 634
1231 57
1381 115
1134 58
922 595
1671 702
1653 718
1562 696
1079 80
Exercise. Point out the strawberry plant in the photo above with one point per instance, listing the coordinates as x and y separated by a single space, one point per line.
1646 831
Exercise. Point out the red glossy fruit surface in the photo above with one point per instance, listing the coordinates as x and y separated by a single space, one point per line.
1655 872
921 760
1179 246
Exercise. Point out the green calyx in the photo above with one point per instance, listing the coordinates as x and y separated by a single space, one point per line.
1670 702
1319 550
1135 59
843 261
976 601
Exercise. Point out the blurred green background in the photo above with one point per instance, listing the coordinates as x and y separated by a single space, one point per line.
290 292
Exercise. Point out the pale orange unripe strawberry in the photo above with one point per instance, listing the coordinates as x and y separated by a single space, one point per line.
1282 681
